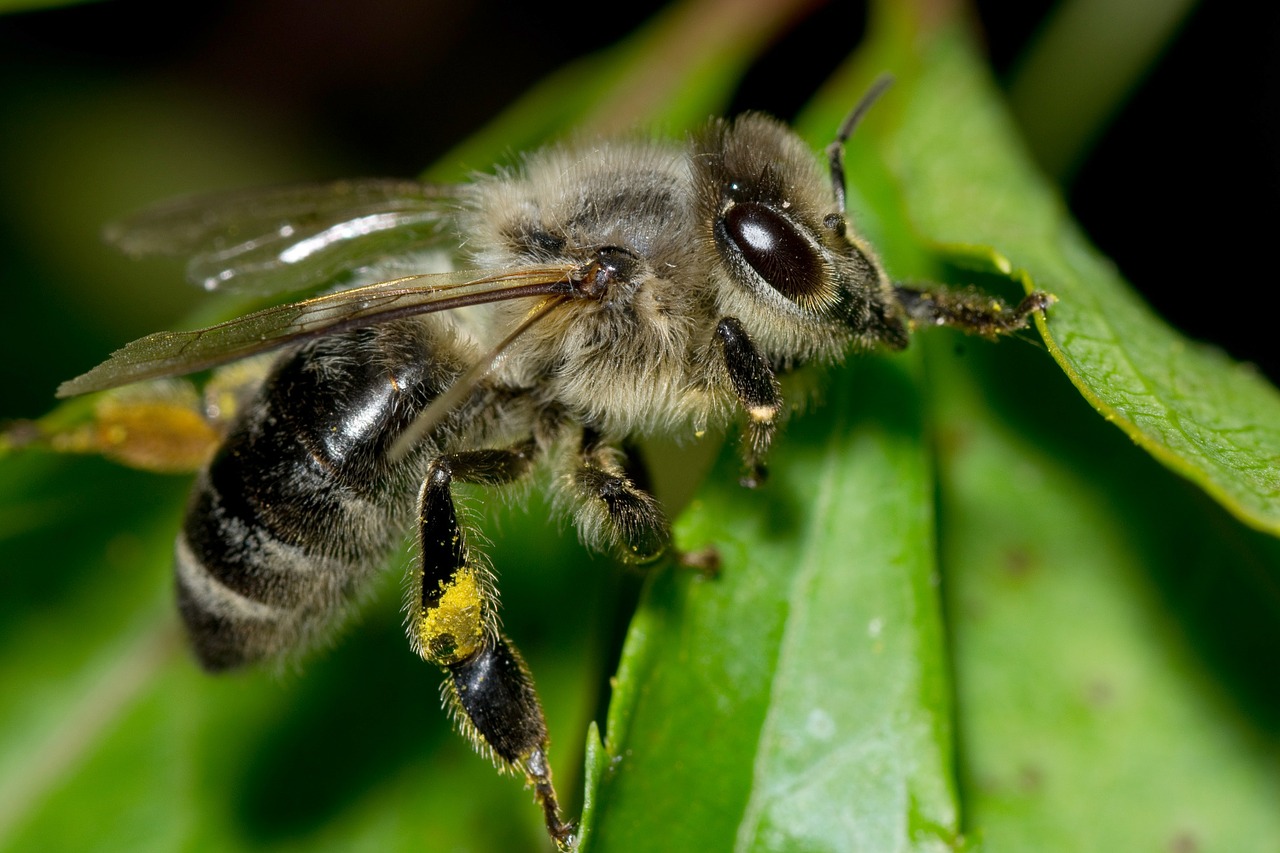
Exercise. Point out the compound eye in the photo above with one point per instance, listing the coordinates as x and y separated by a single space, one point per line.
775 249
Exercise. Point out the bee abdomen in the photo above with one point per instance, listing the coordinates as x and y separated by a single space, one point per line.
251 586
227 628
301 504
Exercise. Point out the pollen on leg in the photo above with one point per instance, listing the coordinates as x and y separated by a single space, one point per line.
452 629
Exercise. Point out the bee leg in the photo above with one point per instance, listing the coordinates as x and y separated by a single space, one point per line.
453 623
613 513
617 515
757 390
969 309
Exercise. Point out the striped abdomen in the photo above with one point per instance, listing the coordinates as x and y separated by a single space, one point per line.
300 505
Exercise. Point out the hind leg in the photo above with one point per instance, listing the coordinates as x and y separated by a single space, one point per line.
453 623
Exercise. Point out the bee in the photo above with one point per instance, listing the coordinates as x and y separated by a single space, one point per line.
600 291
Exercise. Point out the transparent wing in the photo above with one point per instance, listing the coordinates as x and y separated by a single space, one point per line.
176 353
289 239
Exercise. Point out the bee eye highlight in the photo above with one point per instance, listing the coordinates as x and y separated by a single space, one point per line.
775 249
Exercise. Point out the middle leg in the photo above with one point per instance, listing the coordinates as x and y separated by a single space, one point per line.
613 514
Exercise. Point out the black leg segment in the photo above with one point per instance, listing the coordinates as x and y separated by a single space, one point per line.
757 390
969 309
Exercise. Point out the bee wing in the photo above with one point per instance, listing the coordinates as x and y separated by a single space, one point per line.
292 238
175 353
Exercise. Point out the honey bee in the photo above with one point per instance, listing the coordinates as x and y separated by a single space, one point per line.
544 315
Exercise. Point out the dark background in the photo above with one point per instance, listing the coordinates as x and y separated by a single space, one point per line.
1179 190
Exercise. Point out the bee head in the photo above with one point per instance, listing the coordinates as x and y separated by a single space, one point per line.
785 262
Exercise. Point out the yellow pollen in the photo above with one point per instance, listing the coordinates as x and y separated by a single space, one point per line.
453 629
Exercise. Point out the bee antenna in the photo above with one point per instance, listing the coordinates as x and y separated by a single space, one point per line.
835 151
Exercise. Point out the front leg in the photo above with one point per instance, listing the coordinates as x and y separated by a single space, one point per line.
757 390
969 309
453 623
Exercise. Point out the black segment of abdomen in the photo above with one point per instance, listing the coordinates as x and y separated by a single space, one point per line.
301 496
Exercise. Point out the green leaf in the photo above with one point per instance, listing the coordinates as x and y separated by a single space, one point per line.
1113 631
800 700
969 188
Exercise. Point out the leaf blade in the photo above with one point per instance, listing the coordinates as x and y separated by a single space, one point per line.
808 708
970 190
1112 629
